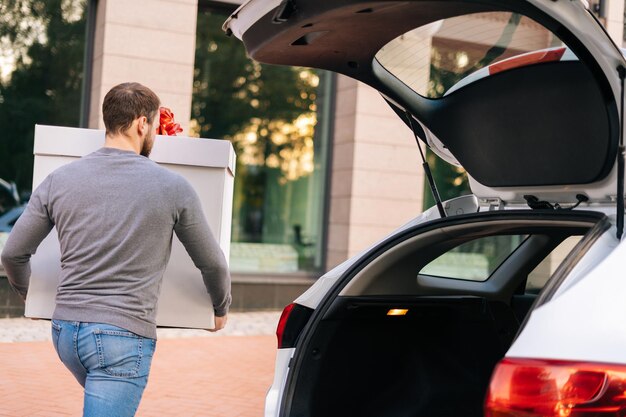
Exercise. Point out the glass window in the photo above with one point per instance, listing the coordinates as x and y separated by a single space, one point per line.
475 260
433 58
277 119
42 50
540 275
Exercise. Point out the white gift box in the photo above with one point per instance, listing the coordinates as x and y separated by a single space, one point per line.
209 165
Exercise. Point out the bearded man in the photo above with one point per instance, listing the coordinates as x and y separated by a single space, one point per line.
115 212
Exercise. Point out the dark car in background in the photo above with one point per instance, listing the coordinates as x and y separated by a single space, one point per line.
12 206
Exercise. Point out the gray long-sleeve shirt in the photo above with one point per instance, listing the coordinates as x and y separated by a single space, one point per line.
115 212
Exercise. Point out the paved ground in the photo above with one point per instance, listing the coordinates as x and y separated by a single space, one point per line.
194 373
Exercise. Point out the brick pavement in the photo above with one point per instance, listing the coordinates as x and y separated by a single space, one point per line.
210 377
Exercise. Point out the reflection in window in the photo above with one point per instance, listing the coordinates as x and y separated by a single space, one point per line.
475 260
275 118
432 58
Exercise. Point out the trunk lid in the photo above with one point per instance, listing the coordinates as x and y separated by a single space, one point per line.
520 122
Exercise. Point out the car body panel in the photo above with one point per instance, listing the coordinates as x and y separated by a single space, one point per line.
247 14
272 399
583 321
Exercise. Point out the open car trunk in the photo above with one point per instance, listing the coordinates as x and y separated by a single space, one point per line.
354 359
532 130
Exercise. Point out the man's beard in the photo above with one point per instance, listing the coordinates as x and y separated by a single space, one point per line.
146 148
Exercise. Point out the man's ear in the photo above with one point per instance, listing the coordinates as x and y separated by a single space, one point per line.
142 125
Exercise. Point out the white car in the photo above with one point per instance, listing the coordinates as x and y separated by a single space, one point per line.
507 302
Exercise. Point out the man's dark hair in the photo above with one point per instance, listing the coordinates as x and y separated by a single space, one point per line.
126 102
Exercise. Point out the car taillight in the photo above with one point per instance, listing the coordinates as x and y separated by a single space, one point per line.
547 388
291 323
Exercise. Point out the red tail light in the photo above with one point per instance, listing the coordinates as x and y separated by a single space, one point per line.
291 323
542 388
282 324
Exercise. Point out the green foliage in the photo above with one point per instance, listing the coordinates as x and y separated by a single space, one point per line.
47 41
451 181
230 89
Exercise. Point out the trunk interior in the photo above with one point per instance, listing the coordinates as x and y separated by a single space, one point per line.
438 358
435 361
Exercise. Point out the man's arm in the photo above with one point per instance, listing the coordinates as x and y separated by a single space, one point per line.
194 233
30 229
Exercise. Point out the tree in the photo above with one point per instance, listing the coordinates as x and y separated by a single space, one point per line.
46 41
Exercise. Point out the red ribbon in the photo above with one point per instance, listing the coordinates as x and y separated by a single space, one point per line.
167 126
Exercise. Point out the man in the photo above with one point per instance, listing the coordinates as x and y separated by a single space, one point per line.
115 211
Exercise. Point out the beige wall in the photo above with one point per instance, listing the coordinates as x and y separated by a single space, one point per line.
615 20
149 41
377 181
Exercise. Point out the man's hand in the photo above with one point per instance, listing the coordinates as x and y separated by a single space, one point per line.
220 323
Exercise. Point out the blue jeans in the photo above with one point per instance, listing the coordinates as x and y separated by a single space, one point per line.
111 363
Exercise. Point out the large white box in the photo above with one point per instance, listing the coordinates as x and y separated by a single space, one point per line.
209 165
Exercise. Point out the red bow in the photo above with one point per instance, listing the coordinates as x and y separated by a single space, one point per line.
167 126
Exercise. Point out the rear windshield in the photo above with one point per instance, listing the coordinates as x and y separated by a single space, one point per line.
433 58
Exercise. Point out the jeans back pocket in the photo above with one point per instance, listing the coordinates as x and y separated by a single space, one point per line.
120 353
